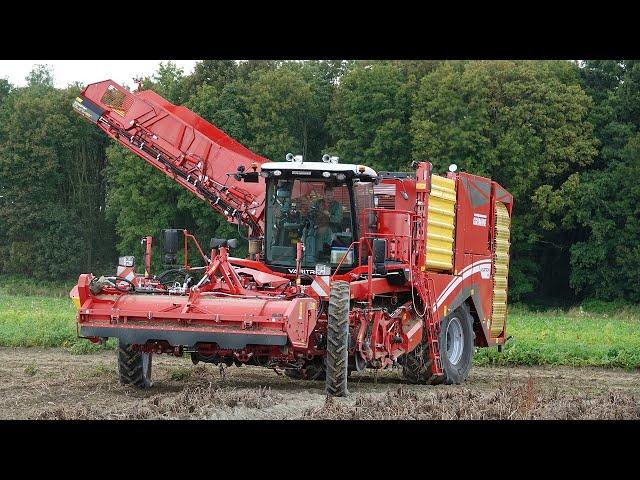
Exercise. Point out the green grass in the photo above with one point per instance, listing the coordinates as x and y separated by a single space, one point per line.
595 334
33 321
21 285
31 369
180 373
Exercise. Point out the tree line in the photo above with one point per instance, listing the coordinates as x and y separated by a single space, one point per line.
563 137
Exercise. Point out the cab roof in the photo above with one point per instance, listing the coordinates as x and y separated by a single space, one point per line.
351 170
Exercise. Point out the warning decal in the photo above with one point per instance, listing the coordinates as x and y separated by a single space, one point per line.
479 219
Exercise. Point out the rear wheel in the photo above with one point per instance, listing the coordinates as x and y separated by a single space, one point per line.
456 352
134 366
416 366
456 345
337 355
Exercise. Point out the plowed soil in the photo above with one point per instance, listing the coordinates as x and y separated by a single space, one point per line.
54 384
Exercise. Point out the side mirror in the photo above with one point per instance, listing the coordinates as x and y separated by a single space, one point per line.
242 175
251 177
221 242
216 242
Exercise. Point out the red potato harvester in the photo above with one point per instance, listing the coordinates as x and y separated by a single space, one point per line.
347 269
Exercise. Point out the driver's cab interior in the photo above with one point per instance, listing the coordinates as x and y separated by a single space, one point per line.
315 212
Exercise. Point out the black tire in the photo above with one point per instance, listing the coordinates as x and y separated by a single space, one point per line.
337 355
456 362
134 367
456 373
416 366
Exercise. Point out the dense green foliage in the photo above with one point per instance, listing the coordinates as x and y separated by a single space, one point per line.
52 205
522 124
604 213
563 137
28 286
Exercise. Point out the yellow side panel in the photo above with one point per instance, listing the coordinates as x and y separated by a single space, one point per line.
440 224
500 269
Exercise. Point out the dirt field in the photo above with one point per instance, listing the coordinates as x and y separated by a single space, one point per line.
53 384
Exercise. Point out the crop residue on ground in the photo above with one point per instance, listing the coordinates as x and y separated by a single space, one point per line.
51 383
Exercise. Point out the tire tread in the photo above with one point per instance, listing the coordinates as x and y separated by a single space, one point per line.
130 367
337 354
420 373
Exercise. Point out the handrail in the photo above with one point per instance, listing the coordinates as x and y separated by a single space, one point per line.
188 235
366 236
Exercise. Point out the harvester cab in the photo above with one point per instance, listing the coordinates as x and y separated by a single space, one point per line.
312 203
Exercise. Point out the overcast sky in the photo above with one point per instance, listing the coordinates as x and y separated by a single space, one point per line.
87 71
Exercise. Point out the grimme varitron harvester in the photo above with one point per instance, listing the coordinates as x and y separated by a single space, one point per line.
347 269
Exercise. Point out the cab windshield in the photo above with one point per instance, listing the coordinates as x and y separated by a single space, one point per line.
316 213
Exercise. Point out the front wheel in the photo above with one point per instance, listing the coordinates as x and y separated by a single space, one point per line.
337 354
134 366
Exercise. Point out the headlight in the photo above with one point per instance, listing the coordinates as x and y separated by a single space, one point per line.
277 173
326 174
341 176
